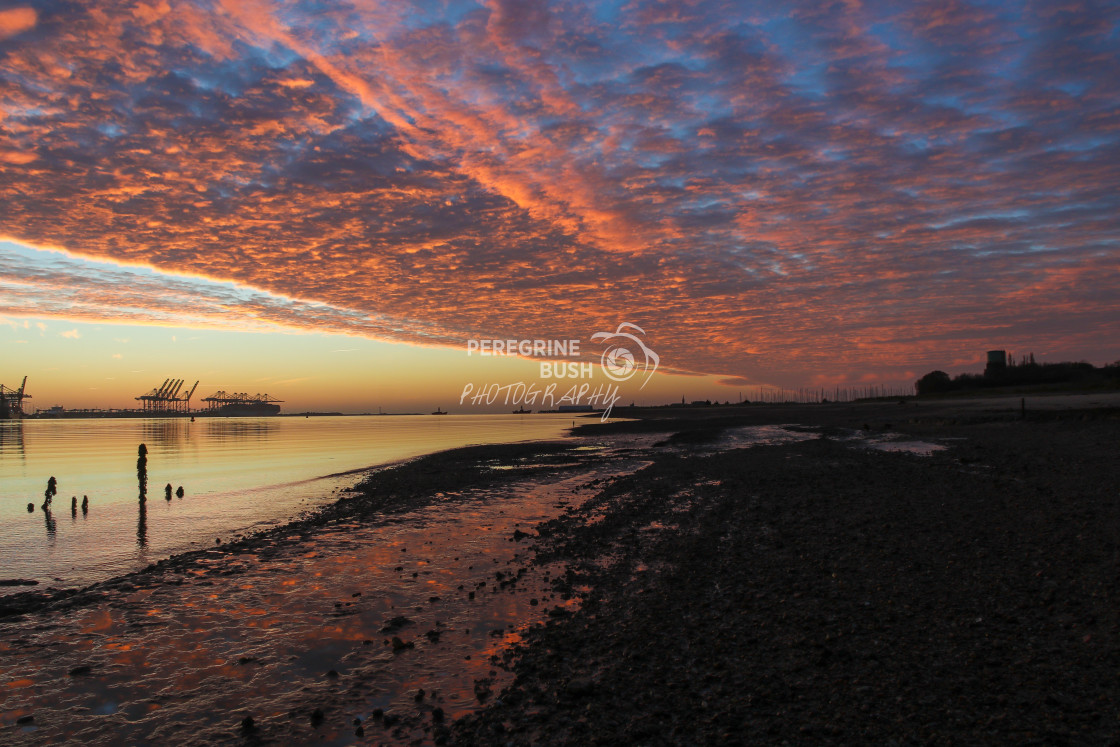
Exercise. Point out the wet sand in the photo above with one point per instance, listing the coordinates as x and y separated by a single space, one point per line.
645 582
409 583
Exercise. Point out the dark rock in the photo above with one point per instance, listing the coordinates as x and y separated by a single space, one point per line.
395 624
580 687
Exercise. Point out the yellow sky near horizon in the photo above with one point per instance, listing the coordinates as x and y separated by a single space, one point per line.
79 364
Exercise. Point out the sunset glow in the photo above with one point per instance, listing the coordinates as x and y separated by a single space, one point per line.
793 195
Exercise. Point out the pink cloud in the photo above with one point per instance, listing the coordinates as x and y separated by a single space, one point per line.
17 20
869 193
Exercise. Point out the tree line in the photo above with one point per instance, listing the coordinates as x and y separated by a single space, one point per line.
1027 372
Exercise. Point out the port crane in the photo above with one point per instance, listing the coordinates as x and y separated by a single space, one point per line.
165 397
11 400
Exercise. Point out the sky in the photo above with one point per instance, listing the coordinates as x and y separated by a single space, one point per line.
328 200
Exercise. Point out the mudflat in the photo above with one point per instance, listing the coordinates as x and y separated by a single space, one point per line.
941 572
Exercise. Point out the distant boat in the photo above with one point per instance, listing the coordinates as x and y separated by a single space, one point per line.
439 412
522 411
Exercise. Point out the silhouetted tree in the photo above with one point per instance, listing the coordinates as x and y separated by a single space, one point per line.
934 382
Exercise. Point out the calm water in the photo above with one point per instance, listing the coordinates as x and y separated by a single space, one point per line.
238 474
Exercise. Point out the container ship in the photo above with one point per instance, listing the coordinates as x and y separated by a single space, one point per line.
241 405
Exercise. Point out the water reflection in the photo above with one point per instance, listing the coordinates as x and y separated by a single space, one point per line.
166 432
236 474
268 624
11 439
142 525
223 429
52 528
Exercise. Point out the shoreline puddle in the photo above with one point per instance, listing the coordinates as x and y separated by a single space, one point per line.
362 618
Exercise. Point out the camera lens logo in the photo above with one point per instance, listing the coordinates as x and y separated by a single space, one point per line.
626 353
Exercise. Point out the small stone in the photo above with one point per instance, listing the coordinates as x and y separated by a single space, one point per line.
419 695
247 724
316 717
579 687
437 715
80 670
24 720
332 674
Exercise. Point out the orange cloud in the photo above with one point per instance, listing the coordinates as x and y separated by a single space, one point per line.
865 193
17 20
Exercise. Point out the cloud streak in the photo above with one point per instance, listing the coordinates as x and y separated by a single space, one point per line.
791 193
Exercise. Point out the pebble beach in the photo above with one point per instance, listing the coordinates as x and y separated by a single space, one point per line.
890 573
